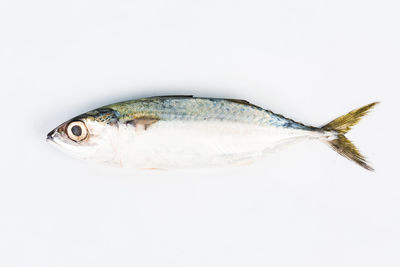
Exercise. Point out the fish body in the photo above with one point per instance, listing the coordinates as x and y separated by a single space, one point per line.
184 132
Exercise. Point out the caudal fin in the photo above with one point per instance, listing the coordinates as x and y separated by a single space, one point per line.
341 126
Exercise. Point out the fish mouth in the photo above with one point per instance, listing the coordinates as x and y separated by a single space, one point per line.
50 135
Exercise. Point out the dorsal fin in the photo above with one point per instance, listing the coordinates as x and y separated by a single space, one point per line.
238 101
177 96
241 101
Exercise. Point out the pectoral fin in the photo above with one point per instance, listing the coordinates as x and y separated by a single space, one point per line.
142 123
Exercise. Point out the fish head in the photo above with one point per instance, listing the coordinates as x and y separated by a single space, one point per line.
92 135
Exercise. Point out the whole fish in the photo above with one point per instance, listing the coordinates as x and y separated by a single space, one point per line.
166 132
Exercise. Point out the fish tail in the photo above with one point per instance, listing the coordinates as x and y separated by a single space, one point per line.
340 126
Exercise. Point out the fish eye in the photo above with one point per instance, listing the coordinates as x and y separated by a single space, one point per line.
77 131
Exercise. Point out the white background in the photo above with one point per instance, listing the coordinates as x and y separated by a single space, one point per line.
303 206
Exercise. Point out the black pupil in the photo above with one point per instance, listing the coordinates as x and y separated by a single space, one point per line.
76 130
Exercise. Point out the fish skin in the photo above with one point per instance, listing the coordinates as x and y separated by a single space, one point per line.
166 132
200 108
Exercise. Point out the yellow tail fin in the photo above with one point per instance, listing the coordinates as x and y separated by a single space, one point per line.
341 126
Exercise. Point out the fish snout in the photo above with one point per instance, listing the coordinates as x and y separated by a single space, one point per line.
50 135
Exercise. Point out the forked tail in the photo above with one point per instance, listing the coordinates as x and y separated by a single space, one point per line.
341 126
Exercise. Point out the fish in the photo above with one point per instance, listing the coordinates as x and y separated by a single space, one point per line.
183 131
